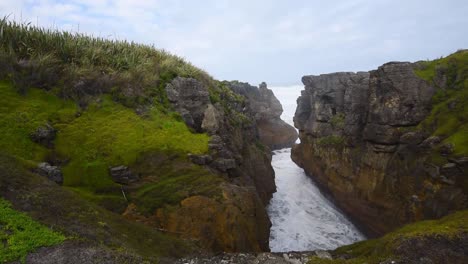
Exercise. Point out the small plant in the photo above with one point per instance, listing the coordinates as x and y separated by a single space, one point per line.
332 140
21 235
338 121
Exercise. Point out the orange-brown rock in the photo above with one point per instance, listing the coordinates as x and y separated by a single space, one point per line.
237 222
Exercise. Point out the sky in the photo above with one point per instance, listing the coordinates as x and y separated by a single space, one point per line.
274 41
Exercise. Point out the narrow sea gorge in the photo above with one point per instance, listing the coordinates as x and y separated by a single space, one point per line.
302 217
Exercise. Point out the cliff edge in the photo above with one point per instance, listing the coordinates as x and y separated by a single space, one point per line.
389 144
273 131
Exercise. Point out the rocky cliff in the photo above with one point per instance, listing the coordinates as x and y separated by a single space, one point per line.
273 131
148 155
376 140
238 221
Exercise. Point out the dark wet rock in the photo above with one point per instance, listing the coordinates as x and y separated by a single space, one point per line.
44 135
122 175
430 142
224 164
432 170
53 173
201 159
446 149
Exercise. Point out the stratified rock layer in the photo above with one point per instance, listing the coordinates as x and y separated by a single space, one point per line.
238 220
356 141
267 109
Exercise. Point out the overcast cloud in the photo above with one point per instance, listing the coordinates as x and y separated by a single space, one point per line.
273 41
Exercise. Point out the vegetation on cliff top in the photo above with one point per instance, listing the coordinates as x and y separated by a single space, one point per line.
77 65
384 248
106 99
449 116
19 234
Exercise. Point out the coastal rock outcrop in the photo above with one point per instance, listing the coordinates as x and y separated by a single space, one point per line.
360 140
236 221
273 131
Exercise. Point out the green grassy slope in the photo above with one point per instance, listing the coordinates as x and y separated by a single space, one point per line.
449 116
79 219
106 99
387 247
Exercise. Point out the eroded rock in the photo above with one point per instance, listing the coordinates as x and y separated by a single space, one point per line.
370 112
273 131
53 173
123 175
44 135
190 98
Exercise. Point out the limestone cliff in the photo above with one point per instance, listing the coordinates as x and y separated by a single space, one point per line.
237 221
367 139
147 155
273 131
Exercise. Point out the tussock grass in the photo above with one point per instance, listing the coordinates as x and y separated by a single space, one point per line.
80 65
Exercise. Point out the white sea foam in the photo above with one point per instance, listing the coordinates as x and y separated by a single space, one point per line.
302 217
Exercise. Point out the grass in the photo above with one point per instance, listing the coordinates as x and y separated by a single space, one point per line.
175 185
105 134
109 134
449 115
381 249
331 140
21 115
338 121
88 89
21 235
79 65
77 218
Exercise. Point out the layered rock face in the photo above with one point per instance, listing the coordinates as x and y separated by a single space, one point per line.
237 221
273 131
358 141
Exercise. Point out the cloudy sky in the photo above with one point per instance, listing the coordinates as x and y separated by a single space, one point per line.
267 40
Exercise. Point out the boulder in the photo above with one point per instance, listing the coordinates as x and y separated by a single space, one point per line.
122 175
53 173
44 135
